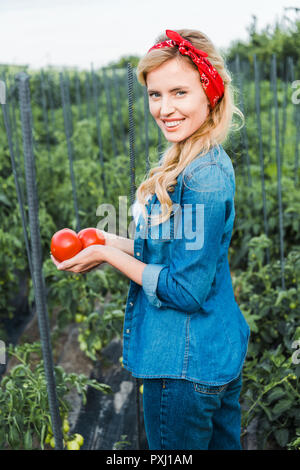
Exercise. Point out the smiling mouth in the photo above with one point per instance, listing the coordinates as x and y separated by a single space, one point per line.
172 126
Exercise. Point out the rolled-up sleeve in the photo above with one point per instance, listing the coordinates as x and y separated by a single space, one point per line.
149 281
185 282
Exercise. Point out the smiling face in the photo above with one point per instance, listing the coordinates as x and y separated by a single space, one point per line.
177 100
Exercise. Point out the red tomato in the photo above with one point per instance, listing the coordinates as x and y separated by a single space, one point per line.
65 244
91 236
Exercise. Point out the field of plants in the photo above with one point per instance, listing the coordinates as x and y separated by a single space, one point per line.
87 138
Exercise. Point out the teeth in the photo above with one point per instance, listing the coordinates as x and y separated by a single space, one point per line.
173 124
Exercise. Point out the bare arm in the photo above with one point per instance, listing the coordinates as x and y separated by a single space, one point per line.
94 255
123 244
126 264
117 250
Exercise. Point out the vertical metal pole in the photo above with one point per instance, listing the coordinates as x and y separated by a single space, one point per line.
132 193
78 97
98 126
284 111
68 104
40 296
19 189
70 148
50 86
45 116
261 156
296 119
244 133
131 133
109 112
146 120
119 109
87 95
278 161
14 119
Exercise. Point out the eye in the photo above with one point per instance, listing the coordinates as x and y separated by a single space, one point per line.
181 91
153 93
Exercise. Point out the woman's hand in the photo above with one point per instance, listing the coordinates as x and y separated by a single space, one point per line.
86 260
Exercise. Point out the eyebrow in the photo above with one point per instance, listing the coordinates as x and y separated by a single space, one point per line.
173 89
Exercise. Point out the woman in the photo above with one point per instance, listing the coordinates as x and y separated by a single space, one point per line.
184 333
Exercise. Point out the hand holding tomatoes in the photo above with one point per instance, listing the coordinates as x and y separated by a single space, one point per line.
77 252
91 236
65 244
86 260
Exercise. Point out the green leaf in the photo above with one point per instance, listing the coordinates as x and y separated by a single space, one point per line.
281 407
266 366
13 436
43 435
118 314
266 410
276 394
281 295
28 440
282 436
4 200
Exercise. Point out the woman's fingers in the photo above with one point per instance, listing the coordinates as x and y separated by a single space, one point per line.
83 262
91 269
55 261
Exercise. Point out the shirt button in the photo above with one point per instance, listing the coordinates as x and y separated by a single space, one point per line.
128 330
138 253
131 304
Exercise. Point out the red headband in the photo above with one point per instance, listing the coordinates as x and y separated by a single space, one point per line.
211 81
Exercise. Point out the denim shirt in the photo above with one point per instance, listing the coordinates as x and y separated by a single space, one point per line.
184 321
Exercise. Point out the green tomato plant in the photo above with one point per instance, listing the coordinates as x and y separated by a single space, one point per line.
25 421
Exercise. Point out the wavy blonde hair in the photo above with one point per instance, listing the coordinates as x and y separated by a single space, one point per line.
212 132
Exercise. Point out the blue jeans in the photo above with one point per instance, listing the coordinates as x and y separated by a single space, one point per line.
180 414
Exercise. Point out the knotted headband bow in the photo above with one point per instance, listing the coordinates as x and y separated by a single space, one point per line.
212 82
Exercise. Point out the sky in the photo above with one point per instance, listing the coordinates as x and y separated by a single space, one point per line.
78 33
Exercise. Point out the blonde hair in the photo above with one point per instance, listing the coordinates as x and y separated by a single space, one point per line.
212 132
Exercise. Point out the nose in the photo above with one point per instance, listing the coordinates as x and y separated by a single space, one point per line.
167 106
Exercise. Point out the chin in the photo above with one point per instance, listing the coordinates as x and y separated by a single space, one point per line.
178 138
174 139
171 137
